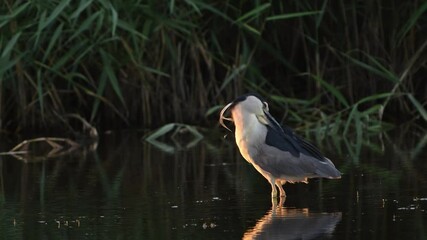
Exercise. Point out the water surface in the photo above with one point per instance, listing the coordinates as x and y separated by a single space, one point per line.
125 188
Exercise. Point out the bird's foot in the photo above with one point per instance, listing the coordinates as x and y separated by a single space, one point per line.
280 203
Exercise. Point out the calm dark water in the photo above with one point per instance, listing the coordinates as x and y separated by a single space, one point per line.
128 189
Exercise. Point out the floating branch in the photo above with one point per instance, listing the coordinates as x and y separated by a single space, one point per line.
59 147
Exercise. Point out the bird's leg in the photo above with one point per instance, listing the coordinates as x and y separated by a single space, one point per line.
278 205
273 203
282 201
279 184
273 191
273 188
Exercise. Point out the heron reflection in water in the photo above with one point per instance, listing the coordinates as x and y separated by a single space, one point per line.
288 223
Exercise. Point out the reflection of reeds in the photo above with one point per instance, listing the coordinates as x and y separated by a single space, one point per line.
178 129
123 185
148 63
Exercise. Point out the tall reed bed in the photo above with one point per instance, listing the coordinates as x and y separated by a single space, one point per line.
345 65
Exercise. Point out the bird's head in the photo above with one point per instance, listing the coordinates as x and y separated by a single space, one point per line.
248 105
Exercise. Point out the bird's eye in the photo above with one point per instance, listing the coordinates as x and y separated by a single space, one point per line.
265 106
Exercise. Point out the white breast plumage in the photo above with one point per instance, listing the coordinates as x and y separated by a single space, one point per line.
249 134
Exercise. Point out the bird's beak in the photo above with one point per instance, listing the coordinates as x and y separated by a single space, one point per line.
268 120
262 118
222 118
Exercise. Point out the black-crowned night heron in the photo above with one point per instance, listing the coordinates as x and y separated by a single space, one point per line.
276 152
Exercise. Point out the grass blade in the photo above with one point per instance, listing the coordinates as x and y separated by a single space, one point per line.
213 109
331 89
40 91
131 29
108 69
382 71
52 41
85 25
233 74
251 29
55 13
411 21
287 100
82 6
10 45
247 17
418 106
161 131
292 15
359 133
114 20
5 19
322 13
374 97
99 92
349 119
6 64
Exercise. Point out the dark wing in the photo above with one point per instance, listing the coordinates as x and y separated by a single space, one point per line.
282 141
306 147
285 139
286 155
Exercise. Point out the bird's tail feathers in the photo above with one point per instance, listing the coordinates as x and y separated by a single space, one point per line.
327 170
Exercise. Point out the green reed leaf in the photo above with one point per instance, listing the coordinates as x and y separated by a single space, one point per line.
254 13
418 106
331 89
82 6
234 73
251 29
114 20
99 92
53 41
10 45
87 24
292 15
55 13
416 15
213 109
350 118
40 91
5 19
374 97
161 131
288 100
379 70
359 132
111 76
131 29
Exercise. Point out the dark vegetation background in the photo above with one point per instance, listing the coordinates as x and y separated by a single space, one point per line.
333 66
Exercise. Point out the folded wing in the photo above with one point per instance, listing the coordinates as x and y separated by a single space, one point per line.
287 155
